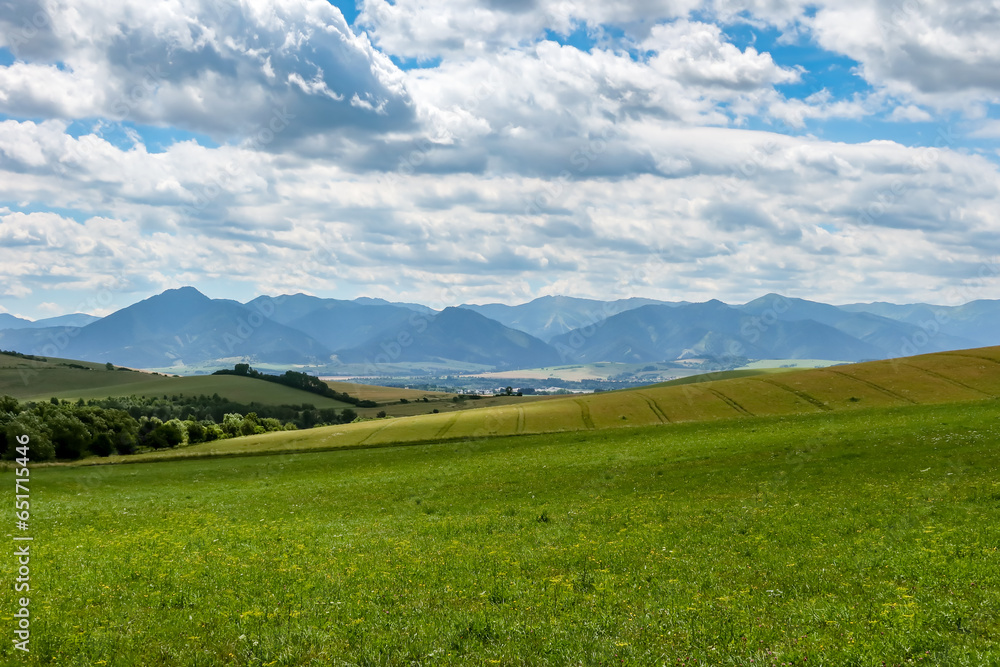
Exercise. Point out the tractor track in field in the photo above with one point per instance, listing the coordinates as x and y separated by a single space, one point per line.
447 425
520 420
950 380
585 414
970 356
375 432
876 387
731 403
655 407
808 398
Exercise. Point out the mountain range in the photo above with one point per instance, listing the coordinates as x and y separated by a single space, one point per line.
183 326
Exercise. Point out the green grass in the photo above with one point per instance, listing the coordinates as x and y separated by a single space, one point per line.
852 537
34 380
722 375
930 379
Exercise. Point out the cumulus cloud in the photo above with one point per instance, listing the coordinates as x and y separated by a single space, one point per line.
225 69
936 52
511 166
753 212
459 29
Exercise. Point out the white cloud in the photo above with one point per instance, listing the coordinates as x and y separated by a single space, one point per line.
518 166
460 29
722 229
910 113
987 129
219 68
941 54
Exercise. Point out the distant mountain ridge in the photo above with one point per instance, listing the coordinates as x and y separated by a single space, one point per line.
549 316
183 326
978 321
8 321
455 334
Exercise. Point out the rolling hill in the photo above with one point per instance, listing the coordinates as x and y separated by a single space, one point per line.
947 377
27 380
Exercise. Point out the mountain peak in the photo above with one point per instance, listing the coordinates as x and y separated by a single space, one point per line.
186 292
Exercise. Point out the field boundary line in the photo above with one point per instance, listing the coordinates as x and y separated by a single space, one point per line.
655 407
969 356
585 414
950 380
887 392
520 420
808 398
731 403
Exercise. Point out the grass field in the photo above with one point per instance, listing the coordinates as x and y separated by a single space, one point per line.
26 379
723 375
63 378
860 537
791 363
930 379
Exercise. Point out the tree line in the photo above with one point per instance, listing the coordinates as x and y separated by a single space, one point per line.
131 424
298 380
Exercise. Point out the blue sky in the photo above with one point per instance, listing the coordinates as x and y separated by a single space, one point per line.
470 151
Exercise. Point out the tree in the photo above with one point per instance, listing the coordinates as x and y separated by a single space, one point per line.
195 430
381 414
70 436
169 434
147 427
109 366
9 404
40 442
232 423
213 432
102 444
251 425
347 416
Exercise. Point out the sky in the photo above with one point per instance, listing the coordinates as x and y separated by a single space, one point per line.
475 151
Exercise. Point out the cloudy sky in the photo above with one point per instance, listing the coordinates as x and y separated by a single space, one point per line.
498 150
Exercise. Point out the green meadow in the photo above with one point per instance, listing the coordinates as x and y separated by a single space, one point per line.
929 379
856 523
851 538
28 380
